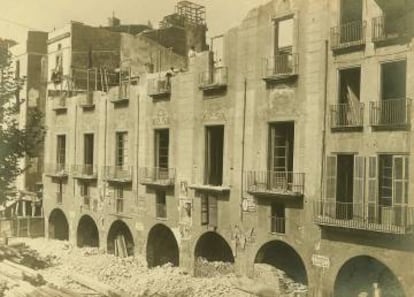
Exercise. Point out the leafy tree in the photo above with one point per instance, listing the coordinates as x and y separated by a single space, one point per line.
16 141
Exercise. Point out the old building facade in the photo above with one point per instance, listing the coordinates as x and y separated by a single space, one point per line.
262 152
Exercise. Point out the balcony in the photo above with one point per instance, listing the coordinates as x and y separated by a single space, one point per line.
388 30
159 87
84 171
59 104
368 217
213 184
56 170
390 114
87 101
123 93
120 174
281 67
348 37
275 184
155 176
59 198
277 225
213 80
347 117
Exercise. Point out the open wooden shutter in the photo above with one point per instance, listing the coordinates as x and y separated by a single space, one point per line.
212 210
372 189
330 186
399 189
359 187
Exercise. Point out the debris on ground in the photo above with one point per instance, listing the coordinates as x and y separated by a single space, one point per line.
204 268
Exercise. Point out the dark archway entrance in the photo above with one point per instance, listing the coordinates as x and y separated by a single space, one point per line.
120 241
87 233
162 247
284 258
58 225
361 274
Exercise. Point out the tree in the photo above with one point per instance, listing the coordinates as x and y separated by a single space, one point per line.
16 141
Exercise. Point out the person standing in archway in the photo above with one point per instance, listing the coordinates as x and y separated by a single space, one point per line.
376 290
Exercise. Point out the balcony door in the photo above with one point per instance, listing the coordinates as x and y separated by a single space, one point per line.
88 149
162 143
214 155
350 21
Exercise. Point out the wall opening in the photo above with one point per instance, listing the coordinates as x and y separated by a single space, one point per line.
366 274
58 225
162 247
87 233
214 155
393 80
120 241
291 269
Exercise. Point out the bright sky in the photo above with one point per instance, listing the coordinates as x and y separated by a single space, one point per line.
17 15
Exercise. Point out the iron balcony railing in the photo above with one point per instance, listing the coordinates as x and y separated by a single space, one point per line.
84 171
60 103
59 198
159 86
216 77
118 173
277 224
387 27
390 112
56 169
347 115
284 64
157 176
348 35
365 216
275 182
161 211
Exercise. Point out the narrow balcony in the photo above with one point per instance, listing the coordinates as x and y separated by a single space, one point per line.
155 176
348 37
123 93
59 104
212 183
281 67
368 217
275 184
59 198
390 114
87 101
388 29
56 170
215 79
120 174
159 87
84 171
277 225
345 117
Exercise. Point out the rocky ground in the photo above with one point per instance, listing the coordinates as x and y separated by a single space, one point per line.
133 278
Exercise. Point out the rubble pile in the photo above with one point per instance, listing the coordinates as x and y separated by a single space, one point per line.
204 268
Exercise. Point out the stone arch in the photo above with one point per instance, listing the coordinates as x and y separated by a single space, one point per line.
213 247
162 247
117 231
58 225
285 258
359 274
87 233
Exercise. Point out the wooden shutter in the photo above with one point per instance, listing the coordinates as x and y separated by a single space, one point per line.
329 207
399 189
212 211
372 189
204 209
359 187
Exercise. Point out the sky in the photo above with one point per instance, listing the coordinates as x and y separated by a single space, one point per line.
18 16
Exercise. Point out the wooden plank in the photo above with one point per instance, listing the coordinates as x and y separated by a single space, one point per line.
95 285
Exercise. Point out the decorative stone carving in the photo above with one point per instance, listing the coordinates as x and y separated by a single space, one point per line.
161 118
214 112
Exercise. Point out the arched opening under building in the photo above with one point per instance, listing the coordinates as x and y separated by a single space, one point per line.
212 247
87 233
120 241
58 225
162 247
366 274
287 267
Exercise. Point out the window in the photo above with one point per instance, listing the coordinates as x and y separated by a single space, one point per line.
214 155
119 199
121 149
284 35
351 11
88 143
277 218
161 204
281 147
209 210
393 80
85 194
162 142
61 151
